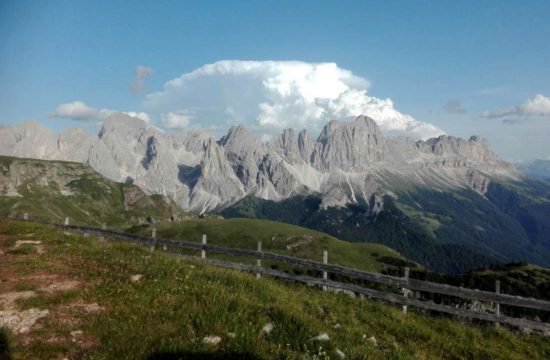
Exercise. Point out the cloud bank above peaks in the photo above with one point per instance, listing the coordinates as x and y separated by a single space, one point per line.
268 96
80 111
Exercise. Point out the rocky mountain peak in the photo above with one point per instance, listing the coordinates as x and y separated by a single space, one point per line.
474 149
122 124
286 144
350 146
237 134
30 128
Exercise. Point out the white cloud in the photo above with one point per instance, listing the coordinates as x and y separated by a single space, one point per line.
176 120
268 96
536 106
539 105
140 73
78 110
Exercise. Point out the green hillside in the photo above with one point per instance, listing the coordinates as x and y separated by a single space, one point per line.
53 190
520 279
284 239
117 301
450 232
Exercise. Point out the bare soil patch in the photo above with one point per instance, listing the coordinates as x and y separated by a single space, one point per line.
18 321
40 249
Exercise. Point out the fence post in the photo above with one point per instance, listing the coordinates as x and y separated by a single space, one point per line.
405 290
65 224
103 227
25 216
497 305
259 259
325 274
154 236
203 252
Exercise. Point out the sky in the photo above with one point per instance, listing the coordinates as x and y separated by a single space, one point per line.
419 68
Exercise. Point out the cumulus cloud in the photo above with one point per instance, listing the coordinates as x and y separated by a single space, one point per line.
268 96
141 72
176 120
536 106
455 107
76 110
79 111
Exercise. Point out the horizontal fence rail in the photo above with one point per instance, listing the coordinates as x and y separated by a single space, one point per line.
393 281
389 297
412 284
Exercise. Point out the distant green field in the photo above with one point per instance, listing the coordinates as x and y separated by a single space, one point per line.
177 304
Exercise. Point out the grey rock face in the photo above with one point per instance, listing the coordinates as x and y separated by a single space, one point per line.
349 146
473 149
216 184
350 162
305 145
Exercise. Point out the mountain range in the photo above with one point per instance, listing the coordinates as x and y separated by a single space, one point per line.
447 202
349 163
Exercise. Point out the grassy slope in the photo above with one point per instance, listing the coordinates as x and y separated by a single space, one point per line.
178 303
391 227
518 279
275 236
95 200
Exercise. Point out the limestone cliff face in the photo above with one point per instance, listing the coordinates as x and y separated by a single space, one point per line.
474 149
350 162
215 184
349 147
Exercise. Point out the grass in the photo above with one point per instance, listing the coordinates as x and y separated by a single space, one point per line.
25 250
276 236
177 303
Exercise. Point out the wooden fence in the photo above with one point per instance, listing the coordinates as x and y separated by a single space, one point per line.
406 284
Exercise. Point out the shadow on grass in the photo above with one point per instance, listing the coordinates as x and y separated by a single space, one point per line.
4 345
202 355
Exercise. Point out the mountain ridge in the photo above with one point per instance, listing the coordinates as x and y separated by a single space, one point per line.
350 162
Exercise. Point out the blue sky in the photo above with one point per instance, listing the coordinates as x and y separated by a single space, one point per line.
467 67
